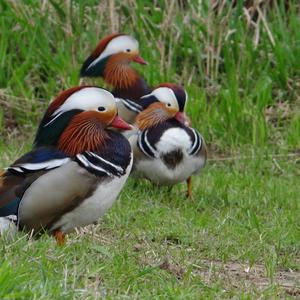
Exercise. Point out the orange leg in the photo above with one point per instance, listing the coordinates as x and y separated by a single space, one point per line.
60 237
189 187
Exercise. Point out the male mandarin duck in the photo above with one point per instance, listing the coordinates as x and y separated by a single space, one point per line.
77 169
111 60
158 95
166 150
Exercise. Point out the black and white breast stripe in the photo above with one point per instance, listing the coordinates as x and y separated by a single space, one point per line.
131 105
149 149
98 165
197 144
145 146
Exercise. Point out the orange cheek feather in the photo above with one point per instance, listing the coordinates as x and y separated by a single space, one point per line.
155 114
107 117
84 133
118 73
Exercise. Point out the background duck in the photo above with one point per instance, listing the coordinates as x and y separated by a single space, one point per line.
166 150
73 181
159 95
111 60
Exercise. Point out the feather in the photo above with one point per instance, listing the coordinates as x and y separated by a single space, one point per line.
103 43
84 133
85 70
154 115
179 92
119 74
134 92
62 97
44 135
21 174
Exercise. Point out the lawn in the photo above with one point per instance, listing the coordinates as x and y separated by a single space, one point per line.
239 237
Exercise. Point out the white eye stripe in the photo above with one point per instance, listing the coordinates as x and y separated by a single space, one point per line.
87 99
186 96
165 95
116 45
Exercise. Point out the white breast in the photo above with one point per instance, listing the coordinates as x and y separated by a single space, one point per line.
172 139
158 172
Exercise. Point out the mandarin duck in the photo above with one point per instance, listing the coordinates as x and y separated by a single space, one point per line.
111 60
166 149
146 100
77 168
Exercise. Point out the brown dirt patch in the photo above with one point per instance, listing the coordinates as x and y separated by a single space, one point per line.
239 275
172 268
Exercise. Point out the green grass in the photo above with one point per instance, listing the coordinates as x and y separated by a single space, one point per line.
241 214
233 68
243 81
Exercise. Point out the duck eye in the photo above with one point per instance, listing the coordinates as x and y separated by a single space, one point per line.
101 108
127 50
169 104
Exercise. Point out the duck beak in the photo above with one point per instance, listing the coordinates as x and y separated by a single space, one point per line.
183 118
120 124
138 59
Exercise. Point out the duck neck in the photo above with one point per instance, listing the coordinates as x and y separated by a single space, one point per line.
126 82
134 92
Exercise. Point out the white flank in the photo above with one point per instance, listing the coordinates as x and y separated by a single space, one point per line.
92 208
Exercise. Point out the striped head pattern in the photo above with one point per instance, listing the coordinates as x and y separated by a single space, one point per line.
111 60
165 102
76 120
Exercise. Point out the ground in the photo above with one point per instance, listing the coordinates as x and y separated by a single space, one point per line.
238 236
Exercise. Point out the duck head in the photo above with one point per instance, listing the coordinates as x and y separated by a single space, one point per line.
111 60
171 96
78 119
